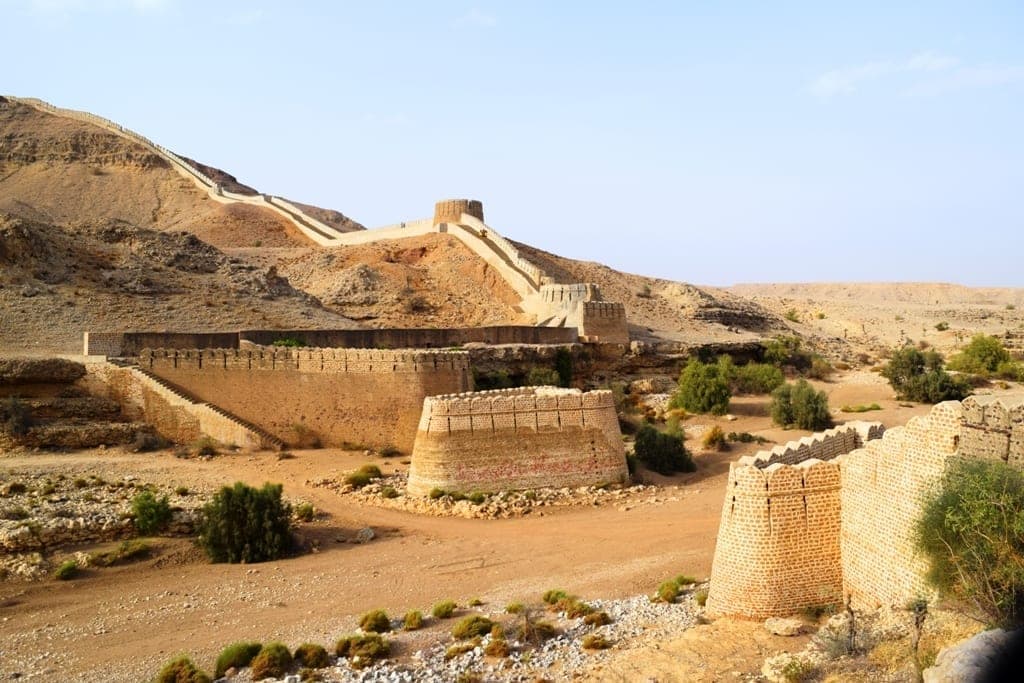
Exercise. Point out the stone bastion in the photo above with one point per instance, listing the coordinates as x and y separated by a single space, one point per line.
515 439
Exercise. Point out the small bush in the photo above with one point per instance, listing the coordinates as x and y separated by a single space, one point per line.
792 315
15 488
363 476
498 647
462 648
797 670
413 620
81 483
700 596
476 602
982 356
861 408
375 621
246 524
436 493
312 656
573 607
289 342
597 619
444 610
304 437
181 491
663 453
595 641
66 571
820 369
272 661
746 437
714 439
788 352
236 655
552 596
514 608
564 367
127 551
389 492
181 670
702 389
542 377
799 404
756 378
305 512
389 451
15 417
150 514
205 446
476 497
942 326
534 631
472 626
362 650
668 592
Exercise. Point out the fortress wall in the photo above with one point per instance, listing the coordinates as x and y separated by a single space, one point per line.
778 541
451 210
993 429
602 321
824 445
355 396
566 294
882 485
517 439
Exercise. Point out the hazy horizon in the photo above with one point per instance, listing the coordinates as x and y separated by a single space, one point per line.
753 144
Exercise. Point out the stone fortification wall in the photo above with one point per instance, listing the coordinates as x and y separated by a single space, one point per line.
517 439
824 445
778 541
602 321
993 428
451 210
343 396
570 294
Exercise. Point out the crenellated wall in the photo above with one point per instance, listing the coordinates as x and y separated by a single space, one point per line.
820 445
603 321
369 397
517 439
451 210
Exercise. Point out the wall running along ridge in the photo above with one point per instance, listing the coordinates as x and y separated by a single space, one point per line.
870 516
368 397
513 439
778 539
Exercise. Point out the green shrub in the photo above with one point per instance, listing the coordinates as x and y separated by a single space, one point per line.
475 602
181 670
375 621
942 326
413 620
462 648
663 453
472 626
312 656
535 631
595 641
714 439
514 608
820 369
205 446
236 655
389 451
861 408
436 493
444 610
305 512
477 497
151 515
746 437
702 389
553 596
389 492
272 661
573 607
971 531
289 342
362 650
246 524
799 404
542 377
700 596
564 367
15 417
1011 370
917 376
66 571
756 378
981 356
498 647
304 437
788 352
597 619
492 380
127 551
668 591
363 476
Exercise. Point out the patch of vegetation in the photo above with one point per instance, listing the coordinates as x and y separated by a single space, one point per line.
498 647
412 621
375 621
389 492
534 631
542 377
792 315
362 650
181 670
436 493
15 488
499 379
289 342
514 608
982 356
459 649
669 591
597 619
128 551
788 353
66 571
942 326
312 656
151 515
971 531
919 376
702 389
389 451
472 626
15 417
746 437
663 453
797 670
476 602
553 596
246 524
573 607
714 439
700 596
235 655
272 661
755 378
861 408
820 369
146 441
444 609
303 437
595 641
205 446
363 476
477 497
305 512
800 405
564 367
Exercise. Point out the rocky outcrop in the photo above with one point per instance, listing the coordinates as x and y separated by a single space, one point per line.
39 371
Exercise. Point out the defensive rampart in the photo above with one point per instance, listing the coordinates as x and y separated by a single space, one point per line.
517 439
869 515
603 321
778 539
342 396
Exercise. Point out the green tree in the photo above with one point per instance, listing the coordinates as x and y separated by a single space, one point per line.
663 453
917 376
702 389
151 514
982 356
971 530
564 367
784 352
246 524
801 405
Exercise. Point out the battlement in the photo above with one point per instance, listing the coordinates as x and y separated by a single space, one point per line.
556 294
993 428
604 321
451 210
517 439
329 360
824 445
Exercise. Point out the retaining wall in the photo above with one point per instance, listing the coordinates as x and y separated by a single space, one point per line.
343 396
517 439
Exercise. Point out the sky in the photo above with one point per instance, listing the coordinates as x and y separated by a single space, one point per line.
707 142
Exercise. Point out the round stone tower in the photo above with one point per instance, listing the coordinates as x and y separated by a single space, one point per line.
451 210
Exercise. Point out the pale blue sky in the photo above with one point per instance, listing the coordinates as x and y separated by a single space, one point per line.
706 142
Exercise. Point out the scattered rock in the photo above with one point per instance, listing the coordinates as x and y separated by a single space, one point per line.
784 627
365 535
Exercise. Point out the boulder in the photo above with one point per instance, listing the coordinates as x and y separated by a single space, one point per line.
971 659
784 627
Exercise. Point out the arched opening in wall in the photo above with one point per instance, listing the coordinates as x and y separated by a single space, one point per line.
956 442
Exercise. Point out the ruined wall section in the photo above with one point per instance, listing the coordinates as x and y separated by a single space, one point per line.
778 542
604 322
365 397
993 429
517 439
882 485
824 445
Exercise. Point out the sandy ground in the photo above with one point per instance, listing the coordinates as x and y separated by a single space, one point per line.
148 612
